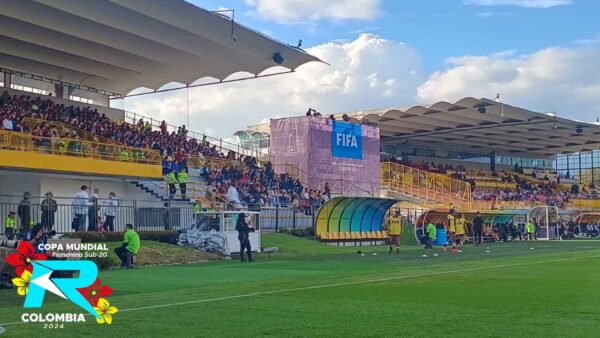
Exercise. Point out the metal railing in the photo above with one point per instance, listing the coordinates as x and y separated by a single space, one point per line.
222 146
32 123
340 186
77 148
427 185
194 161
144 215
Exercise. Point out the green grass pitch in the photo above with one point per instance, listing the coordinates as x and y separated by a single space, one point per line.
316 290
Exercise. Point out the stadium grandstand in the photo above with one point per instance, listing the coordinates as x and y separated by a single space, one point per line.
478 153
59 132
306 220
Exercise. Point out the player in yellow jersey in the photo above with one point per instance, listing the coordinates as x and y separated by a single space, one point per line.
461 231
394 230
450 227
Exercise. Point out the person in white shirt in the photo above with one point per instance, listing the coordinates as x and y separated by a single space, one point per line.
81 201
7 123
110 211
233 197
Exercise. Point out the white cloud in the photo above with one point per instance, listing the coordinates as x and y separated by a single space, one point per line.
594 40
372 72
368 72
520 3
558 80
313 10
485 15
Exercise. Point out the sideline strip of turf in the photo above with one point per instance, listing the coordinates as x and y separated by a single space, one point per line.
323 286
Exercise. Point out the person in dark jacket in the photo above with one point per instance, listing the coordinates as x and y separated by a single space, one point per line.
93 213
49 208
244 229
24 212
478 229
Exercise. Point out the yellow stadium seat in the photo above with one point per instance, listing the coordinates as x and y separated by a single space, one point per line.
364 235
348 235
337 236
371 235
384 234
325 236
356 235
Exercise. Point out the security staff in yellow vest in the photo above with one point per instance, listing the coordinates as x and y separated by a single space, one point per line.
171 180
10 225
196 210
124 155
394 230
182 178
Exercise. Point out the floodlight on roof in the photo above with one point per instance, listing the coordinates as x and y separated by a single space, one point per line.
277 58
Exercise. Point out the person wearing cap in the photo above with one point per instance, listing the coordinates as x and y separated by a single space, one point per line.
9 225
81 200
49 208
24 212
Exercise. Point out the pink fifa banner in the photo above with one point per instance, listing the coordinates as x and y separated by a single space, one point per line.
317 152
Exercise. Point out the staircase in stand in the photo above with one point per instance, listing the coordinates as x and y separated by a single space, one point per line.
196 188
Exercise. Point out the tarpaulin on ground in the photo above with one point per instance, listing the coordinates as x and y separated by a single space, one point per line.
208 241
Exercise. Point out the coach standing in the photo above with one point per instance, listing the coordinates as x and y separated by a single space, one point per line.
478 228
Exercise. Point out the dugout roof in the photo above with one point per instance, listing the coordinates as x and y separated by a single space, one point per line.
484 125
121 45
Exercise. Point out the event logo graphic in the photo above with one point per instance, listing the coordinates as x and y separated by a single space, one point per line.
346 140
36 275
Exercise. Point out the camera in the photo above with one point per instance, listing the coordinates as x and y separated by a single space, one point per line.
11 244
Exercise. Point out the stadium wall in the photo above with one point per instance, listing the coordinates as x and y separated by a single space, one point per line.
77 165
14 183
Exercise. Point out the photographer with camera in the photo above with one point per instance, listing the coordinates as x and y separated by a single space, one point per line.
244 229
37 236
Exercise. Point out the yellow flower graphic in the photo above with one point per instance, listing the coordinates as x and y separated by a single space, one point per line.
105 311
22 283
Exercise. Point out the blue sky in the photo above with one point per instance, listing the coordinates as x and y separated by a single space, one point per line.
541 55
441 28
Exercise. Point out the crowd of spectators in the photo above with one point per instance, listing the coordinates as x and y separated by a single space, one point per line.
13 109
256 186
541 189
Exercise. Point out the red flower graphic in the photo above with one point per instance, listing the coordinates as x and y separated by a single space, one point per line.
95 291
22 259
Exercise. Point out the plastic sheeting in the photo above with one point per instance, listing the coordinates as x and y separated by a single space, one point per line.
208 241
302 146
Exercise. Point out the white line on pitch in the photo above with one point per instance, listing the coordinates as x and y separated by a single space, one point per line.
366 281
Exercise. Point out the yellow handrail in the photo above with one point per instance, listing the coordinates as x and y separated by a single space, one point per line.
436 187
194 161
335 184
32 123
10 140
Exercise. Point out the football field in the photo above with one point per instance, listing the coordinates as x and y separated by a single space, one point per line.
315 290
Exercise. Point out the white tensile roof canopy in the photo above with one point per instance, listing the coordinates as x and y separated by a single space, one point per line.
483 125
120 45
